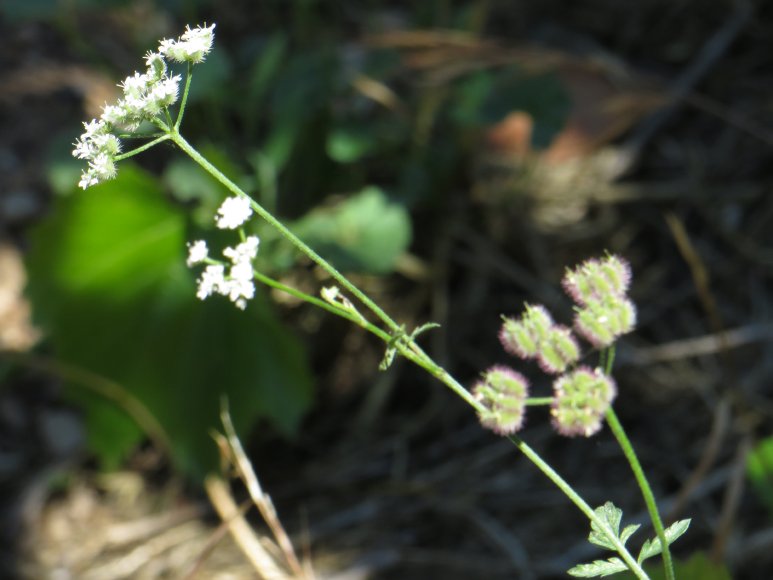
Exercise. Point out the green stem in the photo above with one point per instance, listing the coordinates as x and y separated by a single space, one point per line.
539 401
183 100
569 492
284 231
342 312
142 148
641 478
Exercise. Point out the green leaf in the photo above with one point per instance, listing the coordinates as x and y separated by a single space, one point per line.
628 531
365 232
347 144
759 470
598 568
612 516
109 286
672 533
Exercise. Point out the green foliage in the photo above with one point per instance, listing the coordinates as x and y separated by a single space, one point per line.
698 567
365 232
110 287
612 516
759 470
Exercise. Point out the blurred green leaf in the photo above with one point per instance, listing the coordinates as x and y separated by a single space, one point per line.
109 285
266 67
698 567
364 232
759 470
348 144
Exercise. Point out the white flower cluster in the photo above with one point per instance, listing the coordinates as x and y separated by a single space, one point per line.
193 46
237 284
233 212
145 96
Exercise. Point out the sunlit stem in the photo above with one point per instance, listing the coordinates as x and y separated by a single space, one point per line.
638 472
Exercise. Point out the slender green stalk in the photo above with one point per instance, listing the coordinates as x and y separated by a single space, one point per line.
284 231
641 478
551 474
538 401
343 313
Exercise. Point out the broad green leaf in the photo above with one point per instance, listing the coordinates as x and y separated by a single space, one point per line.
364 232
612 516
109 286
598 568
672 532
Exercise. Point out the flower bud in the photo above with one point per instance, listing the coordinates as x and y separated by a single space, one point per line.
581 398
503 392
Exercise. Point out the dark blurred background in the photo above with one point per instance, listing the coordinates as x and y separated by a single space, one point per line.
453 158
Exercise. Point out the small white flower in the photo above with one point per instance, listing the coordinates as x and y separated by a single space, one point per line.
87 179
193 46
212 280
197 252
244 252
156 65
233 212
135 86
103 166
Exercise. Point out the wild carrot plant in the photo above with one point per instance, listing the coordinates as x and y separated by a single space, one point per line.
582 394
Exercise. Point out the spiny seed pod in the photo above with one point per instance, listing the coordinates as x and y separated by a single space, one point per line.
602 322
558 351
522 337
580 400
503 392
598 279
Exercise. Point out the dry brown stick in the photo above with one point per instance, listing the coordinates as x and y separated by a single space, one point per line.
731 500
709 455
712 50
212 543
707 344
261 500
243 534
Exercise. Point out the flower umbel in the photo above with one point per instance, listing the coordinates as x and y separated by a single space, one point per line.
145 98
600 289
193 46
580 400
598 279
233 212
535 335
522 337
238 282
503 392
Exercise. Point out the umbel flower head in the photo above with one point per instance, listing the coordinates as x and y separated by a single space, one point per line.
503 392
600 287
535 335
145 96
237 283
580 400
